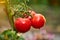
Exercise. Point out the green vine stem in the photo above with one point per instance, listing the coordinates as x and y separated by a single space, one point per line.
9 14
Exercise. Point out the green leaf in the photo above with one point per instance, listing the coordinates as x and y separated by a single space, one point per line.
27 0
10 35
21 38
1 37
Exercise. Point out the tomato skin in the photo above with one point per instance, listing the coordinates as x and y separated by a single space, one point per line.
38 21
22 24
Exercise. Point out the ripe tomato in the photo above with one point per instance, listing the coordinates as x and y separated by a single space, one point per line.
22 24
38 21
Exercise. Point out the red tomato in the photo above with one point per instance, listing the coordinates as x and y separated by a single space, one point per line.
22 24
38 21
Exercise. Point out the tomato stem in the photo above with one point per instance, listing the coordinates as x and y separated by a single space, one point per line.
10 17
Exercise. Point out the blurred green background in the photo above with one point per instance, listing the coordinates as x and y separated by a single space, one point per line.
51 10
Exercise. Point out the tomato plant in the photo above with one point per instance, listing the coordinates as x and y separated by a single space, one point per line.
21 18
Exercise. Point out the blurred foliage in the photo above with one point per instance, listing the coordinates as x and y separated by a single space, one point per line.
49 8
10 35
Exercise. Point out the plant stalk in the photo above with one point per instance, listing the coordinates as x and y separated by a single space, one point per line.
10 17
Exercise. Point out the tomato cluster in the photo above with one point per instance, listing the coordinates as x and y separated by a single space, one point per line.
24 24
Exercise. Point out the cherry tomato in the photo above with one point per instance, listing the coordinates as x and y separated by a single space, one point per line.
38 21
22 24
